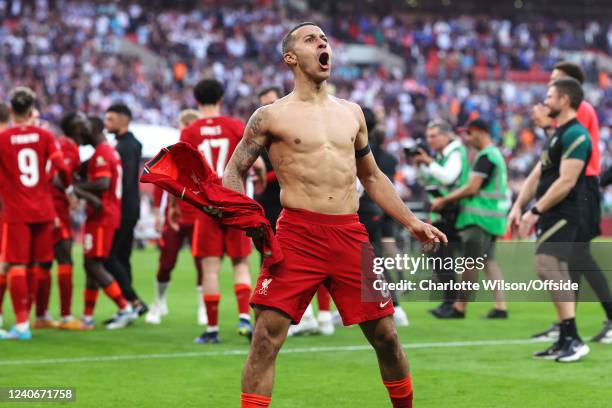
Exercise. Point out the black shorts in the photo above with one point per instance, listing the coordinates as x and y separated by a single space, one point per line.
387 228
372 223
476 242
590 211
556 236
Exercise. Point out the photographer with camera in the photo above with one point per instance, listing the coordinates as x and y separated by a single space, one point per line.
446 171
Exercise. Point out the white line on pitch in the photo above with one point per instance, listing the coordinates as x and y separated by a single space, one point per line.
242 352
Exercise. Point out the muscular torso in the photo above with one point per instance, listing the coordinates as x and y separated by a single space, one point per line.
312 150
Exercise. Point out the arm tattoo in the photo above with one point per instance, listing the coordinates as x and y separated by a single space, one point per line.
247 151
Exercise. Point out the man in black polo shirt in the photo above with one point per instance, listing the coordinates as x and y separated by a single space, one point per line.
558 183
117 121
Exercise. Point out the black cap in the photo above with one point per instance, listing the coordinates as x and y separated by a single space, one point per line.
477 124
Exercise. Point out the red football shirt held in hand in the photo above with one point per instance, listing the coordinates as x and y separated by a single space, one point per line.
181 170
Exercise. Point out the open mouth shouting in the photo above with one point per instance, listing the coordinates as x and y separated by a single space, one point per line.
324 61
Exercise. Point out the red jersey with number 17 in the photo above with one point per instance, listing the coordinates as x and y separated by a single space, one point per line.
216 138
24 152
106 162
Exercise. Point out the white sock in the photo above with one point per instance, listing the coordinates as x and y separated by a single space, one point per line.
308 313
162 288
325 315
66 319
88 318
210 329
244 316
200 296
127 309
23 327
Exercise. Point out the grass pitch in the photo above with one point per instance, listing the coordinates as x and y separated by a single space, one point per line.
471 363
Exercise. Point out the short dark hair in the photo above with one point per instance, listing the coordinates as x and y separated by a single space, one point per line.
5 113
571 88
66 123
208 91
121 109
268 89
288 38
22 100
97 124
370 118
572 70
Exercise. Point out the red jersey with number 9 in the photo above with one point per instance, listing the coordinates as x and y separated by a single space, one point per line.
24 152
216 138
106 162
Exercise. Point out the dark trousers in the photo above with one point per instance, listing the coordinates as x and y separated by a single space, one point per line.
582 263
118 263
373 225
443 251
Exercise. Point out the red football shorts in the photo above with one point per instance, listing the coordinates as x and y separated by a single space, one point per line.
211 238
26 243
97 241
62 231
171 242
332 250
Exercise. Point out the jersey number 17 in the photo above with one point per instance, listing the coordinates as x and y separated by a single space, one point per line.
222 146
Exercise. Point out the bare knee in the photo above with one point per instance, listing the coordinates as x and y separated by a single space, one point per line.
386 341
545 266
266 342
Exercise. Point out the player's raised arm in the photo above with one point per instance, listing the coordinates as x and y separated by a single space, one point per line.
382 192
248 150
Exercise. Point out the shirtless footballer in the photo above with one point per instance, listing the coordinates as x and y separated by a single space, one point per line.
318 145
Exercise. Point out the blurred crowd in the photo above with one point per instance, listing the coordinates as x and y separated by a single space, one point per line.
67 51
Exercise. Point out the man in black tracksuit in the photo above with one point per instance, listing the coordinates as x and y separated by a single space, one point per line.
117 121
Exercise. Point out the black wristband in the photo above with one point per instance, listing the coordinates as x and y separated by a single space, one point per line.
534 210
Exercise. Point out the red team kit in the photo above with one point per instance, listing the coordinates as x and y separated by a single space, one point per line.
28 221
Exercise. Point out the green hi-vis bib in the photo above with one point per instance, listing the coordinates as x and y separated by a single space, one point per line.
489 208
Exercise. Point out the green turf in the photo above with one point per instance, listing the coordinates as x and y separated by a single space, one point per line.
466 376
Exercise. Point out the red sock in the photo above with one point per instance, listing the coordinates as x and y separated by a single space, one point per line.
113 291
2 289
90 297
43 291
32 281
254 401
243 294
400 392
212 308
64 280
324 299
20 297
